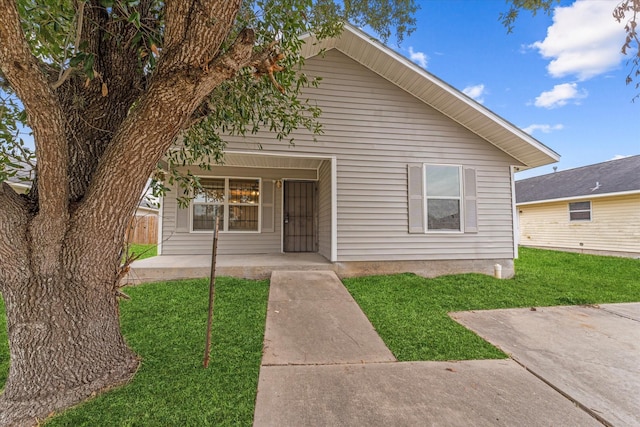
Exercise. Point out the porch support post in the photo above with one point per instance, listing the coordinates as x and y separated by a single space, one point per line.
334 209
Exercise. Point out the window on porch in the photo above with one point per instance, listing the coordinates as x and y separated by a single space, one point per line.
236 201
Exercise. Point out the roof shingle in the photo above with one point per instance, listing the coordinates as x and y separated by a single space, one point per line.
613 176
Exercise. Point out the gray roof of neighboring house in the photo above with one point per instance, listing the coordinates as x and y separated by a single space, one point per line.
148 204
614 176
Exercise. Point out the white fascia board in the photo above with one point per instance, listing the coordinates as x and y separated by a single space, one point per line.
582 197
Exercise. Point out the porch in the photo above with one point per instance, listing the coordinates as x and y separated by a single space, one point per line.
260 266
176 267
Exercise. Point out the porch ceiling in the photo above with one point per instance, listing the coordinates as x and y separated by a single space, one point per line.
254 160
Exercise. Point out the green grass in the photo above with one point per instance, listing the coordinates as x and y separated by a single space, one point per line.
143 251
165 323
410 312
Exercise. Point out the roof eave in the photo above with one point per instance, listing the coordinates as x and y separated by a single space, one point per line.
579 197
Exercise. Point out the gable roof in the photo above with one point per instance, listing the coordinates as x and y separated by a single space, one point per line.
612 177
436 93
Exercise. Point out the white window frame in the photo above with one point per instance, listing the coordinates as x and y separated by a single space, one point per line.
227 207
590 210
426 198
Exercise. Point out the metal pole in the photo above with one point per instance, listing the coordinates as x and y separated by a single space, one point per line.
212 291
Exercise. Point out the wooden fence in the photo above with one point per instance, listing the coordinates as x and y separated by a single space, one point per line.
143 229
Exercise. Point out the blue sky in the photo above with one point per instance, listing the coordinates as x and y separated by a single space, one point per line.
561 78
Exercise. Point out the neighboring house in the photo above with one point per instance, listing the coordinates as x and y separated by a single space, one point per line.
21 181
19 186
592 209
409 175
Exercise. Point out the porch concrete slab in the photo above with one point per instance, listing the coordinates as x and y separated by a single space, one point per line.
312 319
176 267
470 393
590 353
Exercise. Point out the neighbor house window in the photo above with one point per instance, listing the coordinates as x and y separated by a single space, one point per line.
443 193
580 211
235 201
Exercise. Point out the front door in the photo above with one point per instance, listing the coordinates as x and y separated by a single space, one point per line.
299 228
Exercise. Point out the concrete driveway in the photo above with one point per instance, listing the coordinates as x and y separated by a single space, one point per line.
590 354
324 365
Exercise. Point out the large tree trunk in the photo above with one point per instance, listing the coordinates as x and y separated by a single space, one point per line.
60 247
65 346
63 327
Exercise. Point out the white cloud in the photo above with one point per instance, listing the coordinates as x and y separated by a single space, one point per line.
584 39
542 128
419 58
620 156
560 95
476 92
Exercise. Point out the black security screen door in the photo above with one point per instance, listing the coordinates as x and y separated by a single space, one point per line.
300 234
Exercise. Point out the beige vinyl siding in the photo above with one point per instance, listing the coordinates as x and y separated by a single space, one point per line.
324 210
375 129
614 225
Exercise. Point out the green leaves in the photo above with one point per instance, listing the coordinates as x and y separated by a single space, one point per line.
508 18
86 60
134 18
16 158
383 16
48 27
67 34
246 104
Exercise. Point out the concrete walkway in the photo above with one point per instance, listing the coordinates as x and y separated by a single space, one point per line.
324 365
313 320
590 353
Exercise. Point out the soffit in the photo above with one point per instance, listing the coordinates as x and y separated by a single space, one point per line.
253 160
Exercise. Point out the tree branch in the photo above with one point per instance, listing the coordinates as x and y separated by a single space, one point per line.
196 29
44 114
175 28
79 22
45 118
149 130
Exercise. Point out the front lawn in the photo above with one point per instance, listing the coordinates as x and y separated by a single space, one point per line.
410 312
165 323
141 251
